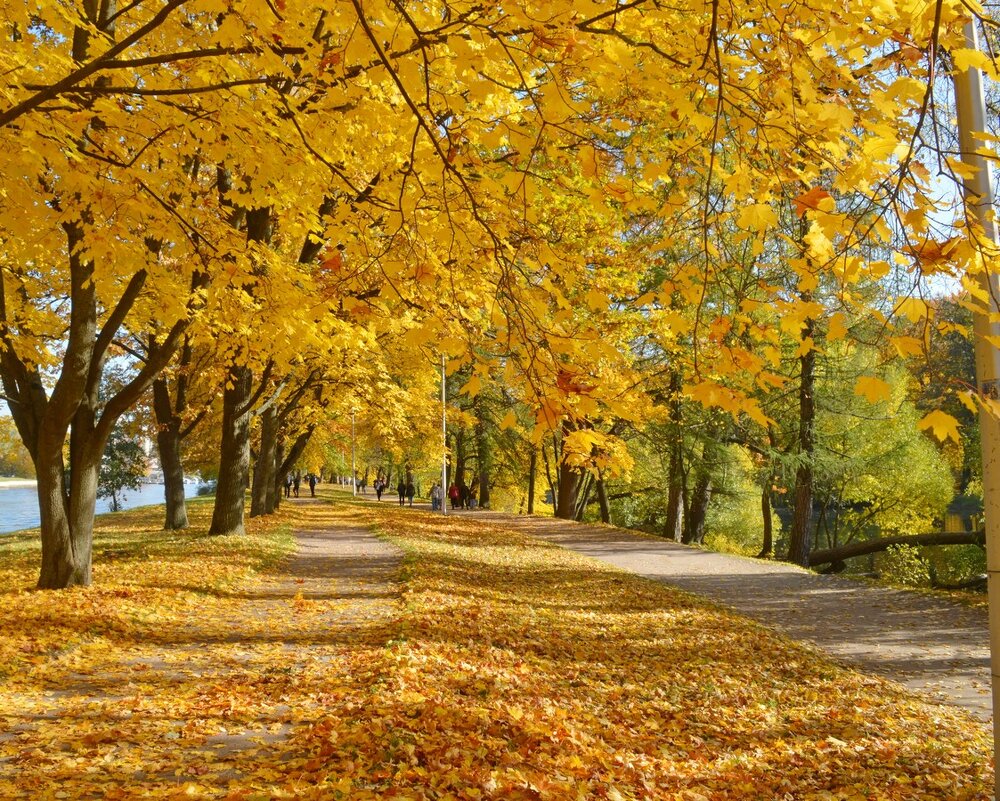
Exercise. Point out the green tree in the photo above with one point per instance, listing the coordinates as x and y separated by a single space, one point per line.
123 466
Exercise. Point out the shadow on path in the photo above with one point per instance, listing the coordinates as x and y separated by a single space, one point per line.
929 644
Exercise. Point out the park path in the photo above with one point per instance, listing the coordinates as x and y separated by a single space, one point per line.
215 696
929 644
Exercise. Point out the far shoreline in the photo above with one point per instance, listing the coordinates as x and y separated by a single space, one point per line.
17 483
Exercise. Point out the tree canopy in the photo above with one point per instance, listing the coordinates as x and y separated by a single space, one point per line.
569 201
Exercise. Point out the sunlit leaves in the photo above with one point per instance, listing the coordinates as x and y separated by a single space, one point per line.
941 424
872 389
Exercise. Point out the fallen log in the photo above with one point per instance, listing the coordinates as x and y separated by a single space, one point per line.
874 546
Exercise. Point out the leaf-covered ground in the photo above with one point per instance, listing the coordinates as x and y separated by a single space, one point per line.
513 670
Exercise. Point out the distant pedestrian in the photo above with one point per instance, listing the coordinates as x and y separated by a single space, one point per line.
401 491
410 491
436 497
379 486
463 495
288 486
453 495
312 484
295 484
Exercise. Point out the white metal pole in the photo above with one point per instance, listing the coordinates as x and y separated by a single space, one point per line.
971 112
354 470
444 440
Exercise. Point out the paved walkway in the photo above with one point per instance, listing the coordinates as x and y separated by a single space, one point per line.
929 644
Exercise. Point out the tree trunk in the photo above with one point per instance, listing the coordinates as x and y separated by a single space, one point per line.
835 555
168 444
672 526
532 470
483 455
553 484
278 485
234 454
583 496
602 500
65 554
74 515
297 449
237 399
694 528
568 492
767 547
800 540
460 457
265 465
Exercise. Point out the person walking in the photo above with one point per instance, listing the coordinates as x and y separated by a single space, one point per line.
453 495
296 480
401 491
435 497
410 491
379 486
312 485
288 486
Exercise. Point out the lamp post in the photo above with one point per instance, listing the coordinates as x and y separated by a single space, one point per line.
970 106
444 440
354 470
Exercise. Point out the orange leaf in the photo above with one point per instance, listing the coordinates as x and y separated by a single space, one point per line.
810 200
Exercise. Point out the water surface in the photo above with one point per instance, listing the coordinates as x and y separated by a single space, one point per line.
19 505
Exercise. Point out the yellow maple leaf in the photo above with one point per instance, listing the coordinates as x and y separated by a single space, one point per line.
472 386
872 389
943 426
838 327
915 309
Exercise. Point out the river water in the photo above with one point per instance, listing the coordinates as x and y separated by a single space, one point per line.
19 505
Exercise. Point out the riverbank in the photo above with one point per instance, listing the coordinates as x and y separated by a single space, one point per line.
19 504
14 483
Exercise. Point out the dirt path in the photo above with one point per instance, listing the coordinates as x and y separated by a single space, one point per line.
928 644
212 698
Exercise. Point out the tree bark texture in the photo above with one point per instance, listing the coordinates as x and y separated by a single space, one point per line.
568 491
234 454
767 546
265 467
602 500
829 555
168 445
484 459
532 471
673 525
800 540
694 528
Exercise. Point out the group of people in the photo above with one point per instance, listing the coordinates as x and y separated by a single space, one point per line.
462 495
404 489
294 480
459 495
